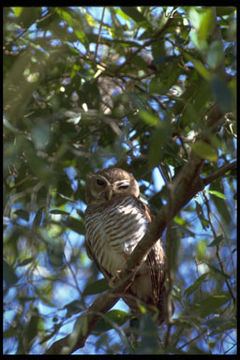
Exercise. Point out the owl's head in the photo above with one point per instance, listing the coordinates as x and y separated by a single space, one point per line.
108 183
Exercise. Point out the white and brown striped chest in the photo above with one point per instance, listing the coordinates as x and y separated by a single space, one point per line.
114 230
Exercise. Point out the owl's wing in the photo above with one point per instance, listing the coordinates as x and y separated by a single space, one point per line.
91 255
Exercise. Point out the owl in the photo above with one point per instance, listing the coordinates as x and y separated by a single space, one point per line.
116 221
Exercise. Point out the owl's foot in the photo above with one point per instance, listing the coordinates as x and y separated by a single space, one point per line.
114 279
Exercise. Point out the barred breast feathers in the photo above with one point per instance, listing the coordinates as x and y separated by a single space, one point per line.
113 232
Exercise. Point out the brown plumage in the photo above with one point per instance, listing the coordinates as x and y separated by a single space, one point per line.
116 220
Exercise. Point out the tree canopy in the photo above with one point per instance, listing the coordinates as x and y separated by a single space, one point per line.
148 89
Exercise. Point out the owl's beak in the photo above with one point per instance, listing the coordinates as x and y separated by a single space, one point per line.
108 193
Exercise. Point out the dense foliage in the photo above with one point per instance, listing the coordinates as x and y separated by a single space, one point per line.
85 88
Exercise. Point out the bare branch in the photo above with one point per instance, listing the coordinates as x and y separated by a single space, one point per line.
220 172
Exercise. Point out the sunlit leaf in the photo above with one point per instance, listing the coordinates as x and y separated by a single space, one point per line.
150 119
111 319
205 151
17 10
201 250
206 25
58 212
199 67
217 193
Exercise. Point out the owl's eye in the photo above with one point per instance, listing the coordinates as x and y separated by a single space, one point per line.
101 182
123 187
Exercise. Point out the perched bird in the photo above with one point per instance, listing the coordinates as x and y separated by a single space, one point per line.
116 221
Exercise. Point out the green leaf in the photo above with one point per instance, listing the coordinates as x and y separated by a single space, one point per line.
225 10
32 327
40 134
137 101
222 93
195 18
38 218
17 10
44 297
9 274
201 250
216 241
199 67
196 284
26 261
203 24
217 271
205 151
211 304
110 320
223 325
22 214
74 307
58 212
206 25
10 332
122 14
118 316
149 335
215 54
75 225
96 287
135 15
217 193
73 20
149 118
201 217
159 141
222 206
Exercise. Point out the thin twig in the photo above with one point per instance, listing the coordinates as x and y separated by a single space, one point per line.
219 173
99 34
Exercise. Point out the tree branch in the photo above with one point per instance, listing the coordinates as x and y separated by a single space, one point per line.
220 172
